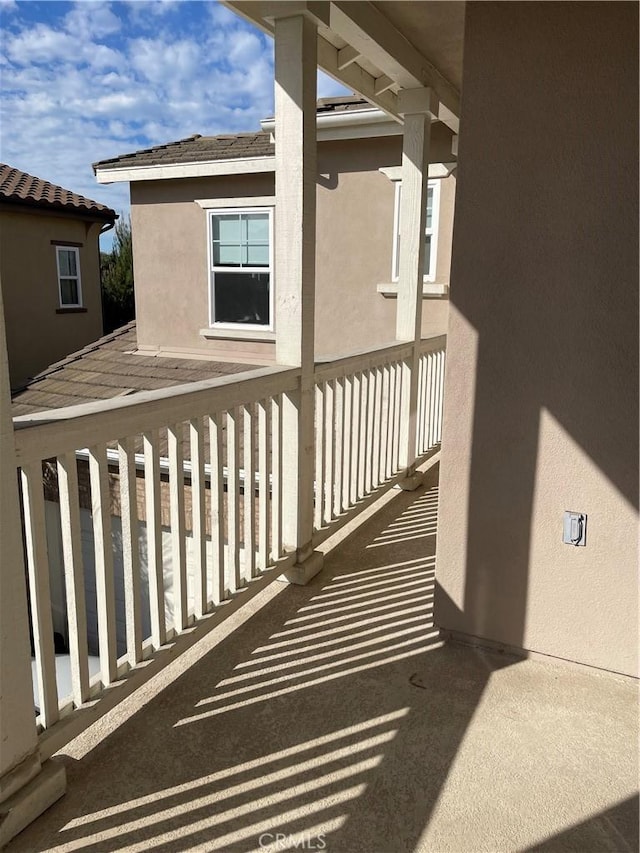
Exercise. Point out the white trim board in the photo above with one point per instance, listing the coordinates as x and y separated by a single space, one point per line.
234 201
203 169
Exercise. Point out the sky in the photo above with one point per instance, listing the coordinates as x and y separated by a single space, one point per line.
86 81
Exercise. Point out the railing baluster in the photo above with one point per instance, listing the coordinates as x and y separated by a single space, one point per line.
233 499
338 447
155 569
362 441
216 490
39 591
264 449
392 421
330 443
355 440
249 492
398 415
105 587
346 441
74 576
198 515
377 429
178 535
371 414
276 477
386 422
420 410
442 358
432 399
319 433
130 550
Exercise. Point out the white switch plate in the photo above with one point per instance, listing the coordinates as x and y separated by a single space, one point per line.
574 530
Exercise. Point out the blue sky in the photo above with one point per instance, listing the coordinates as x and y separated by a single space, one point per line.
84 81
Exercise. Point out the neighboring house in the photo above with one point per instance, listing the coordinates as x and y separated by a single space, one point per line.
202 218
50 270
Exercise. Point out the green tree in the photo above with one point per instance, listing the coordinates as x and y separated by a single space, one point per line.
116 273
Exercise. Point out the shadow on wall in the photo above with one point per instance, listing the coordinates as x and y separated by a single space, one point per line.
544 281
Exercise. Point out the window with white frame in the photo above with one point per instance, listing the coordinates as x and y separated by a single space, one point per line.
241 268
69 286
430 232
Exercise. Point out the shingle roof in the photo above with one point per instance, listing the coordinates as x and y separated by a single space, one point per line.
17 187
110 367
196 148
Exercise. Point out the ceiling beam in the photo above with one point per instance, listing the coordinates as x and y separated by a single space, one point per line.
369 34
368 31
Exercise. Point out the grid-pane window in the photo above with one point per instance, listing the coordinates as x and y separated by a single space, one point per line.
241 267
68 260
430 232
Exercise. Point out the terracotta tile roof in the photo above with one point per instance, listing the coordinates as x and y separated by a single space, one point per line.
195 149
17 187
110 367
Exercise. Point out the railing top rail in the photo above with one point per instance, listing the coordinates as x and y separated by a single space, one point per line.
42 435
328 368
433 343
331 367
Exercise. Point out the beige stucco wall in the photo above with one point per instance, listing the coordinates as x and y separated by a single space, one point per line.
354 253
37 336
541 411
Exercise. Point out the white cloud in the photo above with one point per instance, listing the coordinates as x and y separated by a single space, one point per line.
90 20
103 79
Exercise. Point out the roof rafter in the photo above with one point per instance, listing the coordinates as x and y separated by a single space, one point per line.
369 34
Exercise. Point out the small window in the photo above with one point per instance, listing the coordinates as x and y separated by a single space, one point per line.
69 288
241 264
430 232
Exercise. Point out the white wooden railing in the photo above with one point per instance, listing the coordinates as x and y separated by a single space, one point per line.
209 458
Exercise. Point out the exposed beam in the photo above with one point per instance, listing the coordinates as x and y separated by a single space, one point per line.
382 84
347 55
364 27
356 78
316 11
369 34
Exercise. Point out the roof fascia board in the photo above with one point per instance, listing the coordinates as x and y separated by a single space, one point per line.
203 169
371 33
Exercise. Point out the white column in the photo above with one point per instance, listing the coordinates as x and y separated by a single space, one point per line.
26 787
295 250
417 106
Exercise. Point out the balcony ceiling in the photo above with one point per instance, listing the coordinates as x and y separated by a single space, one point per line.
435 29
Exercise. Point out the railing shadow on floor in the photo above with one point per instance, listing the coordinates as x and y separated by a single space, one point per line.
329 719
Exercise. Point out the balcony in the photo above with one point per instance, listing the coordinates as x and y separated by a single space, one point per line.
231 711
332 715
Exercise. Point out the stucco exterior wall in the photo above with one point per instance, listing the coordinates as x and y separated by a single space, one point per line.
354 254
541 411
37 335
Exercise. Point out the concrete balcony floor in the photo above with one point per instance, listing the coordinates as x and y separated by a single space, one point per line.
330 717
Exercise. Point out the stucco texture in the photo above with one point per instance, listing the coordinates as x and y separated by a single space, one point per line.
541 410
37 336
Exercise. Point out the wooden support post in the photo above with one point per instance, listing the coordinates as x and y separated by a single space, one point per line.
27 787
417 106
295 142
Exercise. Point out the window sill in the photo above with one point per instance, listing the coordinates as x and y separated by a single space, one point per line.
76 310
238 334
429 290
